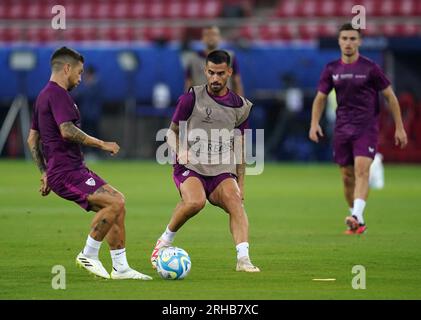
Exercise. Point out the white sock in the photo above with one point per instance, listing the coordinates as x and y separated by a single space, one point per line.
120 263
350 211
168 235
242 250
92 247
359 205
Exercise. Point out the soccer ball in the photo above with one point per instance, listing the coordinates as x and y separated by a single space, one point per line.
173 263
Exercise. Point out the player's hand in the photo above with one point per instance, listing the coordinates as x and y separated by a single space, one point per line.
111 147
401 139
315 133
44 188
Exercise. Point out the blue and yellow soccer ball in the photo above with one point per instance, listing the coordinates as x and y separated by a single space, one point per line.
173 263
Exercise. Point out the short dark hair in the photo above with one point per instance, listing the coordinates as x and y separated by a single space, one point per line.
218 57
348 27
65 55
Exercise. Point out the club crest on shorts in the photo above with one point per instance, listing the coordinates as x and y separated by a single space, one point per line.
186 173
370 149
90 182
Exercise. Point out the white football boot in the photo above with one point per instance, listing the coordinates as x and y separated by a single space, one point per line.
158 246
129 274
244 264
92 265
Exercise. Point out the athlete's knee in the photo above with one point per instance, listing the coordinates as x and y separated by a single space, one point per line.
362 172
195 205
119 205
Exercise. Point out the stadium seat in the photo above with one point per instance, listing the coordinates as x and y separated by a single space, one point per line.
308 31
389 29
344 8
138 10
156 10
174 9
400 30
120 10
327 8
307 8
371 29
80 34
11 35
384 8
406 7
86 10
249 32
327 29
287 9
211 9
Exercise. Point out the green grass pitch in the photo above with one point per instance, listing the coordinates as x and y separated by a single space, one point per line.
296 215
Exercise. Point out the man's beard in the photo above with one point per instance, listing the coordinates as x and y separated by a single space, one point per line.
216 89
72 86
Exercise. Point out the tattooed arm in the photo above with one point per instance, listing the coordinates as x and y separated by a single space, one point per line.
72 133
34 147
37 155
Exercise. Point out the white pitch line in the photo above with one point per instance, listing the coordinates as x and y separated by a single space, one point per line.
327 279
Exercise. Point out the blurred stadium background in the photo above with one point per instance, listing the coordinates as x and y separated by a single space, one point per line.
296 229
281 48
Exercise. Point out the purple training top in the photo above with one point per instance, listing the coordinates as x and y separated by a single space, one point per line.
357 85
54 106
186 102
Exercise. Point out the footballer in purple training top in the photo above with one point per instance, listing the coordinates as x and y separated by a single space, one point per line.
56 127
357 82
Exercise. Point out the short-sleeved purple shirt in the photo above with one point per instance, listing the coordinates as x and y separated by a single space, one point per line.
185 105
357 87
54 106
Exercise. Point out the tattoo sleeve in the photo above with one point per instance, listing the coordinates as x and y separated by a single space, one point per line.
36 152
73 133
38 157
